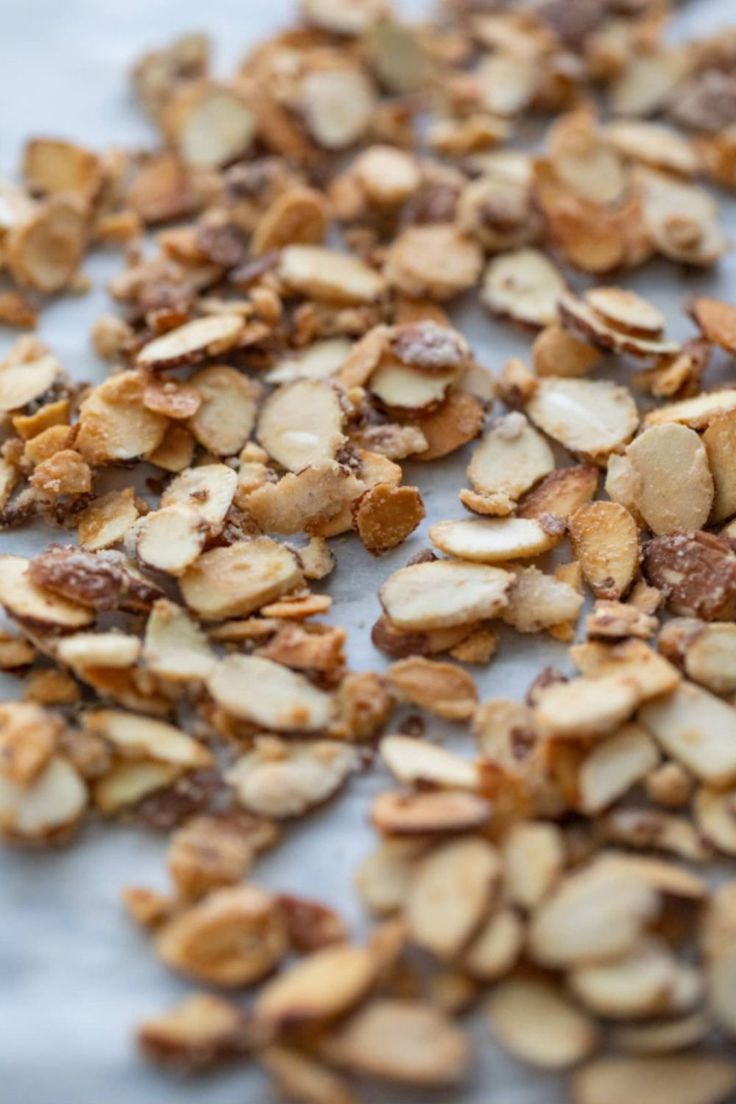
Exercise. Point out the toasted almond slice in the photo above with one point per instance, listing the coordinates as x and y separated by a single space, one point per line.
414 761
200 1032
558 353
537 1022
675 1079
510 458
264 692
591 417
383 878
296 1075
402 1041
540 601
296 216
337 105
562 492
53 803
436 261
430 813
586 707
209 336
458 420
698 413
673 479
325 274
288 781
606 541
302 423
207 490
614 766
403 387
534 857
597 913
625 310
450 893
508 80
175 648
491 541
128 782
444 593
389 176
321 360
646 981
653 144
710 658
441 688
681 218
45 250
524 286
134 736
315 499
720 441
662 1037
22 382
235 936
673 881
209 123
496 948
114 423
236 580
170 539
227 412
35 606
323 985
105 649
698 730
717 322
53 167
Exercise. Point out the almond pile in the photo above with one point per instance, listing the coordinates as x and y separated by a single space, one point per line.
276 355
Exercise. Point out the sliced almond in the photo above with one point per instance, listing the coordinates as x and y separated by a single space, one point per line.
235 581
539 601
34 605
533 857
698 413
559 353
321 360
663 1036
114 423
171 539
22 382
209 123
604 324
207 490
710 658
302 423
698 730
614 766
524 286
590 417
444 593
496 947
404 388
441 688
288 781
681 218
719 440
646 981
437 261
562 492
510 459
675 486
325 274
417 762
675 1079
606 541
52 804
337 105
46 249
298 1076
227 412
491 541
323 985
562 1034
317 499
429 813
127 783
208 336
633 660
385 516
175 648
586 707
717 321
106 649
134 736
54 167
267 694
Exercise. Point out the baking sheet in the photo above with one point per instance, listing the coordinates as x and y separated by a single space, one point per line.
75 974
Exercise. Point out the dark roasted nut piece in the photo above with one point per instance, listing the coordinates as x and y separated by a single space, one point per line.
104 581
696 572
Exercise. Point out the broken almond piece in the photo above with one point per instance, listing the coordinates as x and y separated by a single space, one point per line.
385 516
523 286
606 541
444 593
201 1032
317 499
47 809
717 322
34 605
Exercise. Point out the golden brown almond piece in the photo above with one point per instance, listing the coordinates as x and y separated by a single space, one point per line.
208 852
326 275
430 813
385 516
209 124
563 1033
200 1033
696 572
437 261
208 336
717 322
414 761
561 493
590 417
34 605
720 441
606 541
315 499
452 425
698 412
558 353
298 216
443 689
226 411
320 987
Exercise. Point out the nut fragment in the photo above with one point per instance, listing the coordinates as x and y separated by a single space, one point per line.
606 541
287 781
696 572
444 593
197 1034
674 1079
562 1034
323 985
673 479
590 417
441 688
524 286
385 516
264 692
491 541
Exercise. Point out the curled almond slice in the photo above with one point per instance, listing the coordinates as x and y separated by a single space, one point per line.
289 780
672 477
267 694
586 707
537 1022
441 688
414 761
134 736
491 541
302 423
236 580
174 647
402 1041
325 274
52 804
672 1079
321 986
614 766
235 936
444 593
697 729
227 411
524 286
606 541
208 336
429 813
592 417
450 893
34 605
510 458
22 382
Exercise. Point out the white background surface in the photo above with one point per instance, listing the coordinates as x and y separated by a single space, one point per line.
75 976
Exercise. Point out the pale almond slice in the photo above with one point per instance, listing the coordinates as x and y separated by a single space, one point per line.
35 606
22 382
437 261
402 1041
662 1037
319 987
174 647
107 520
236 580
441 688
632 659
388 176
586 707
597 913
450 893
533 857
698 413
496 947
710 658
227 412
674 1079
681 218
208 490
128 782
508 80
444 593
591 417
337 104
652 828
625 310
665 877
647 80
698 730
491 541
258 690
402 387
524 286
653 144
209 124
614 766
605 539
170 539
429 813
646 981
233 937
55 167
720 441
538 1023
539 601
510 458
134 736
383 878
114 423
327 275
105 649
318 499
302 423
209 336
417 762
673 480
321 360
287 781
52 804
